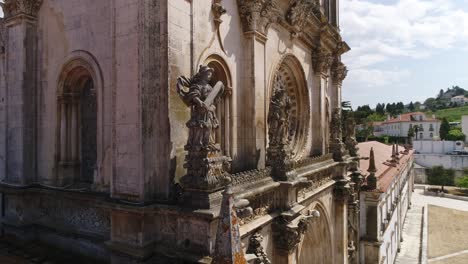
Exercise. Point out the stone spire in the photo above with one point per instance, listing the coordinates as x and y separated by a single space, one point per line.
397 152
228 247
371 179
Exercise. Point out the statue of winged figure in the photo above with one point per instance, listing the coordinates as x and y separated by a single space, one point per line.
201 97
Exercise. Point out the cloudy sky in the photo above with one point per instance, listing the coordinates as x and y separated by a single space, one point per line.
403 50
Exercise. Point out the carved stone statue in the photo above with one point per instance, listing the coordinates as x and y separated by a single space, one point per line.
351 142
279 152
336 145
278 117
205 167
201 98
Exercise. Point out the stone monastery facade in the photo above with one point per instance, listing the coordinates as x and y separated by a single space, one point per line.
123 121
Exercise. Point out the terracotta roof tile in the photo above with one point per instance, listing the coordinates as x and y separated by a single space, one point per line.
386 171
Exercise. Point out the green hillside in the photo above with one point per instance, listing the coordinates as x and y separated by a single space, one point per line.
452 114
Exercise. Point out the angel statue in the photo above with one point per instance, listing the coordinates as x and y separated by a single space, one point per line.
201 97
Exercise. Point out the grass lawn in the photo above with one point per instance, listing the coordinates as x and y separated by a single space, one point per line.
447 234
452 114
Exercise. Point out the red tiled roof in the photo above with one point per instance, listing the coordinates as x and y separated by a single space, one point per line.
407 118
382 152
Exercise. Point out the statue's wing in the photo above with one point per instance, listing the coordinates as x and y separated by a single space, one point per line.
183 82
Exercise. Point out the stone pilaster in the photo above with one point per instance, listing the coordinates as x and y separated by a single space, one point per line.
21 79
322 61
256 16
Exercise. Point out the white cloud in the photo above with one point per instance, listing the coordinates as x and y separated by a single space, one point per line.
376 78
407 28
392 32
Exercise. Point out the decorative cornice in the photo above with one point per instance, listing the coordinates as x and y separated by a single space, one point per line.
15 7
257 15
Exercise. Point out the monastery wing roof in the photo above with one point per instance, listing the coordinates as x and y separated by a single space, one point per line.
386 171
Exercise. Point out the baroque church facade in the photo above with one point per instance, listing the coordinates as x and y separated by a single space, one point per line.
123 121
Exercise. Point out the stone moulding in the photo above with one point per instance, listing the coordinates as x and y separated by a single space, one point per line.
15 7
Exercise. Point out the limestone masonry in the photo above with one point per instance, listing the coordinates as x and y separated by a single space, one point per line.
178 131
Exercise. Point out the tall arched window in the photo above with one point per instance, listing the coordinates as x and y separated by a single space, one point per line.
77 126
224 133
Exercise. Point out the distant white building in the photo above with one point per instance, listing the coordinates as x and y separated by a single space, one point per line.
464 125
427 127
459 100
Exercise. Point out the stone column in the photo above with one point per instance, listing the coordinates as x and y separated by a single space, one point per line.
322 61
342 193
256 15
21 68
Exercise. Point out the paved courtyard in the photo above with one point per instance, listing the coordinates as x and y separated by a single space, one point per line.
446 235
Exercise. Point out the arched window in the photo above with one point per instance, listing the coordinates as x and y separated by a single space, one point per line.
224 133
77 126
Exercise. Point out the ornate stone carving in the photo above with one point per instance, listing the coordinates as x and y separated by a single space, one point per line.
288 235
322 60
218 10
257 15
317 179
342 190
336 145
300 13
339 72
279 154
205 166
16 7
250 177
256 248
350 141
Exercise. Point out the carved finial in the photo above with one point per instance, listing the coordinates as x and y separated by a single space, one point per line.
228 247
371 179
372 168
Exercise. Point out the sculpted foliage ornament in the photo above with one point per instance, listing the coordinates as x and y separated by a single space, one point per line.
15 7
322 60
256 248
300 13
257 15
205 167
339 71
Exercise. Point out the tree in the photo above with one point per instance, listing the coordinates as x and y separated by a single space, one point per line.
411 107
444 129
410 132
462 182
380 109
456 134
437 175
441 94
